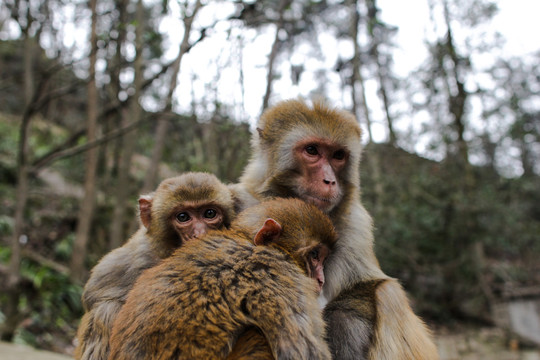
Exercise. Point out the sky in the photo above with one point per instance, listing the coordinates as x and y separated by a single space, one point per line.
516 21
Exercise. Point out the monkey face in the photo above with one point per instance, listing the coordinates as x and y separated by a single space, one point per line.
315 259
320 163
191 222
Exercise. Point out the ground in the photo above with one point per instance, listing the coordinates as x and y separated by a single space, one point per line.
20 352
482 344
469 344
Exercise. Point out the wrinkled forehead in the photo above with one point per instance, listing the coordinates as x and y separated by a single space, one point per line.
347 139
188 192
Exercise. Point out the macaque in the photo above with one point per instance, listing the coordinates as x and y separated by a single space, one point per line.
181 210
264 273
313 153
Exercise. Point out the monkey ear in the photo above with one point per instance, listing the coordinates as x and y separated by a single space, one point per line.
145 209
268 233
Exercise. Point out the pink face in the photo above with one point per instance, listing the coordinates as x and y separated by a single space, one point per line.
321 162
315 261
191 222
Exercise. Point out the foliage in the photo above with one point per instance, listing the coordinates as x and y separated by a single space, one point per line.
428 230
50 305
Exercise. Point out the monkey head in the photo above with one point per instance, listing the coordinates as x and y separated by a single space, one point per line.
309 153
296 228
183 208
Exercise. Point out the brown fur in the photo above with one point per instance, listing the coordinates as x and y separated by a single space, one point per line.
112 278
196 303
251 345
274 172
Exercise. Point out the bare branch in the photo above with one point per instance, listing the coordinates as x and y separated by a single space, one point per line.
64 153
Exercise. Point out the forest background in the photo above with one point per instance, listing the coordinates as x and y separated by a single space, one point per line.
102 99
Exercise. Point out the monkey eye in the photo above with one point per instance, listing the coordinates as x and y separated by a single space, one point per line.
183 217
339 155
210 213
314 253
311 150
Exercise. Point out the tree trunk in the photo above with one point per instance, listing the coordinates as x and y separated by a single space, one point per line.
150 180
86 211
357 78
273 54
111 152
457 100
21 195
28 71
117 234
374 22
11 291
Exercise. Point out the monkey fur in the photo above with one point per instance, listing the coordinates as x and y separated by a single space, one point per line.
368 313
254 276
113 277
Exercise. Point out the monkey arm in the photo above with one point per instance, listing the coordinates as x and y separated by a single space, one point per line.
95 330
350 318
105 293
116 272
373 320
285 309
399 333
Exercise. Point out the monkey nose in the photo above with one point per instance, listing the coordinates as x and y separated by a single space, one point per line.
198 232
329 182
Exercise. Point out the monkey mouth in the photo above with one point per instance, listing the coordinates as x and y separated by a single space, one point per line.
187 239
324 204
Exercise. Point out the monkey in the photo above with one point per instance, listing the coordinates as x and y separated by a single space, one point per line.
313 153
182 209
264 273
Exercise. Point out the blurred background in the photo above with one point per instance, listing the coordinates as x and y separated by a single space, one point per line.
102 99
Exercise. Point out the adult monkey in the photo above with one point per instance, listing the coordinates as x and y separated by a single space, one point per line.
314 154
181 209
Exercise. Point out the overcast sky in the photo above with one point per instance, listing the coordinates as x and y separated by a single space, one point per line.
516 21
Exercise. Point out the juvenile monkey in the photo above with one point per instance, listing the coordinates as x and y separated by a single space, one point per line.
313 153
181 209
263 273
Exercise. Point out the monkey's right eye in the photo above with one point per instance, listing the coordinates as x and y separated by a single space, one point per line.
339 155
183 217
210 213
311 150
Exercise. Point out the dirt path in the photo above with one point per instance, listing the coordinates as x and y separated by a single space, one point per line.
482 344
20 352
477 344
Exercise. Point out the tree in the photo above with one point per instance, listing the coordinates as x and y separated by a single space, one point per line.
129 116
283 4
88 202
163 124
379 34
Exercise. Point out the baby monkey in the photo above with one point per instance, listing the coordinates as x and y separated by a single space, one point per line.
181 209
266 272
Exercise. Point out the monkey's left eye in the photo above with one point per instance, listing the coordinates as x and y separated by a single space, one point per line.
339 155
210 213
314 254
183 217
311 150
